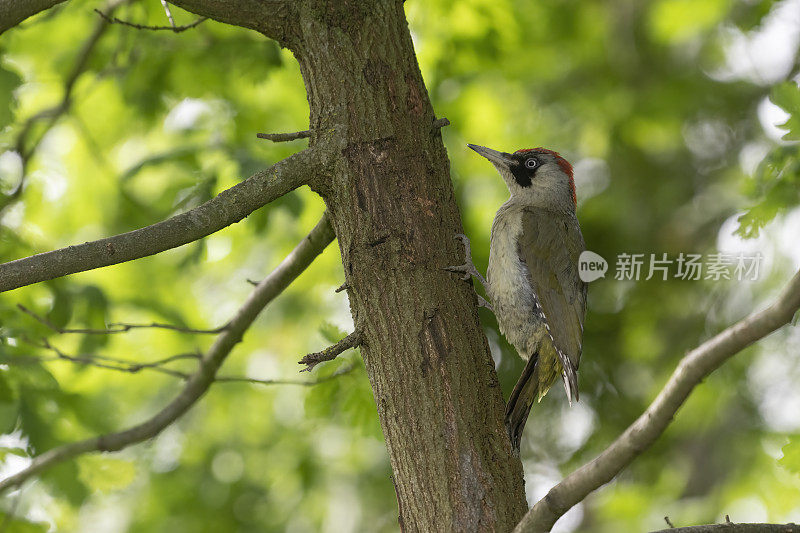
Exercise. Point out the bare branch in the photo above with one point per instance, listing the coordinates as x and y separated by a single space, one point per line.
100 361
284 137
343 287
730 527
691 370
226 208
117 327
197 385
134 367
172 27
440 123
329 354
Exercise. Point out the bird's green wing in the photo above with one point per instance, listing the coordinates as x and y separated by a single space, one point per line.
550 246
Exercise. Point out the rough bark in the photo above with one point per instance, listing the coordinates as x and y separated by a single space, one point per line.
394 213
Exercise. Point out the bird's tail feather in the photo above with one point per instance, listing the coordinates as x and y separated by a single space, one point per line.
519 403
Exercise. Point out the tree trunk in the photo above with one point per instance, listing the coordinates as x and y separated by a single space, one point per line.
395 216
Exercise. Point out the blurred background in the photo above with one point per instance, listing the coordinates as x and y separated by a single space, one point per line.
671 112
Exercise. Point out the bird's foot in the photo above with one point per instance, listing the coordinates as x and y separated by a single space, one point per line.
483 303
467 270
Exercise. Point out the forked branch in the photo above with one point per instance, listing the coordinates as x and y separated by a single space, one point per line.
227 208
691 370
280 278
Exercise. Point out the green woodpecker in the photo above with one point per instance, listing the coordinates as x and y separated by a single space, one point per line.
532 281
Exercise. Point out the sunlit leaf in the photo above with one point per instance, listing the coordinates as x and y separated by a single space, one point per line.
106 474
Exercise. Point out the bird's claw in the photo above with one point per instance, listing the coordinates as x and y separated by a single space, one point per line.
466 270
483 303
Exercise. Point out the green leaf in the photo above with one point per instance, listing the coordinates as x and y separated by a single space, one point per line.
106 474
15 524
775 187
5 451
787 96
65 480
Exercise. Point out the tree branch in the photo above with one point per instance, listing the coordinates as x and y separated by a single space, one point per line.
196 386
227 208
134 367
284 137
116 327
101 361
735 528
273 18
329 354
172 27
691 370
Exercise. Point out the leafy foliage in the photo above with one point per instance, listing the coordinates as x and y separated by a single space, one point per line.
776 185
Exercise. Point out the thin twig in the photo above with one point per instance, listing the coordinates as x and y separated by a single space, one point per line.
173 28
692 369
104 362
117 327
329 354
730 527
199 382
133 367
669 522
343 287
169 13
284 137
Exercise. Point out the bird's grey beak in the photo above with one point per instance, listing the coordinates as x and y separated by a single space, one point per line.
498 158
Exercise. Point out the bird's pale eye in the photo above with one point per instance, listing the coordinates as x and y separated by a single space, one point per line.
531 163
